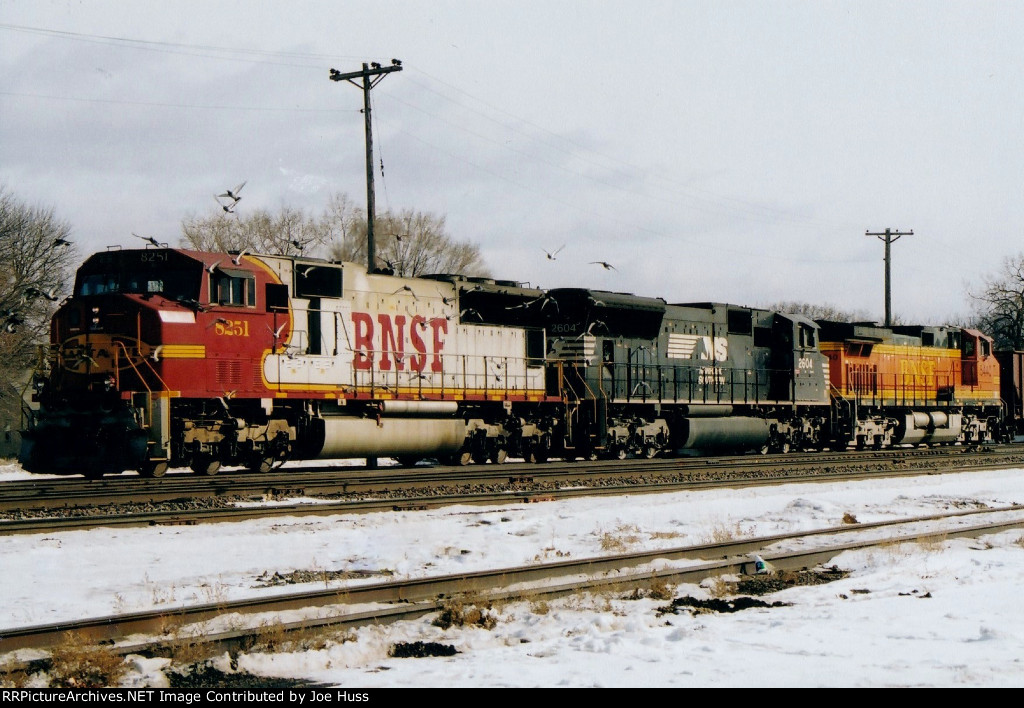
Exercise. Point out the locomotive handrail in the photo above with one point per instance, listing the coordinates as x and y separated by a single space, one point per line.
117 380
39 369
481 374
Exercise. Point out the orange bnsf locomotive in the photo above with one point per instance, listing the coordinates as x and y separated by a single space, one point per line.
174 358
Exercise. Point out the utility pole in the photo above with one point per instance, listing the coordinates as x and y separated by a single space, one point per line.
888 236
371 75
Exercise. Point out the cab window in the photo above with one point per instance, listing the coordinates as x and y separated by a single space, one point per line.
230 287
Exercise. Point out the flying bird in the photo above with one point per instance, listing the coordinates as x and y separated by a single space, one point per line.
190 303
237 260
232 194
551 254
31 293
545 300
150 239
228 208
277 333
306 271
61 242
604 264
408 290
590 329
470 311
212 267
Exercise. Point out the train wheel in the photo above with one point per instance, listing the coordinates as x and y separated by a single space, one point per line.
154 468
261 464
464 458
204 464
650 451
499 455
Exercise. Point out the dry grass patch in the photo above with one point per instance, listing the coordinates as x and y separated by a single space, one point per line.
274 637
657 589
462 612
621 538
721 533
717 586
549 553
933 544
77 663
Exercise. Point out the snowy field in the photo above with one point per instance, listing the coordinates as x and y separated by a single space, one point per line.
941 614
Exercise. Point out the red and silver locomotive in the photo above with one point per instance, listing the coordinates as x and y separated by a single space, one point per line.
167 357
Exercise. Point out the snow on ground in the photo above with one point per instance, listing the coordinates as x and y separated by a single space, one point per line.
942 614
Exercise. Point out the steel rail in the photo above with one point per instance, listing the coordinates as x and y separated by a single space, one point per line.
63 493
409 598
54 524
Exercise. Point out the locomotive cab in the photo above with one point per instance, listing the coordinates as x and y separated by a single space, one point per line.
980 370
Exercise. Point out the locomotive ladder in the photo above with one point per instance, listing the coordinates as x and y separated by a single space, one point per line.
844 402
580 409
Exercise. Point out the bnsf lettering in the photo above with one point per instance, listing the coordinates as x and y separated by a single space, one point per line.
388 337
924 367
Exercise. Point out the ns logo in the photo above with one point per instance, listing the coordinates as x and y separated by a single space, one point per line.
700 347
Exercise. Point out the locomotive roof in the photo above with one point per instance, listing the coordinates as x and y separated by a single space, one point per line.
607 298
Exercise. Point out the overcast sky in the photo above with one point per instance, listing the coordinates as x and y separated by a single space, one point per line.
710 151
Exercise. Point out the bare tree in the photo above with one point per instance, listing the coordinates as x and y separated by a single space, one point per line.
999 304
289 232
407 243
819 312
415 243
36 264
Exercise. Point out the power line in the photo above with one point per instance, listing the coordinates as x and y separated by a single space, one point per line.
160 104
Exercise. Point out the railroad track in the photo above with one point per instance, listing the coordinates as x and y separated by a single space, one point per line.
505 490
23 498
163 632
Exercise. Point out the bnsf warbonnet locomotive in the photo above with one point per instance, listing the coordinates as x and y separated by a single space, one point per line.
166 357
